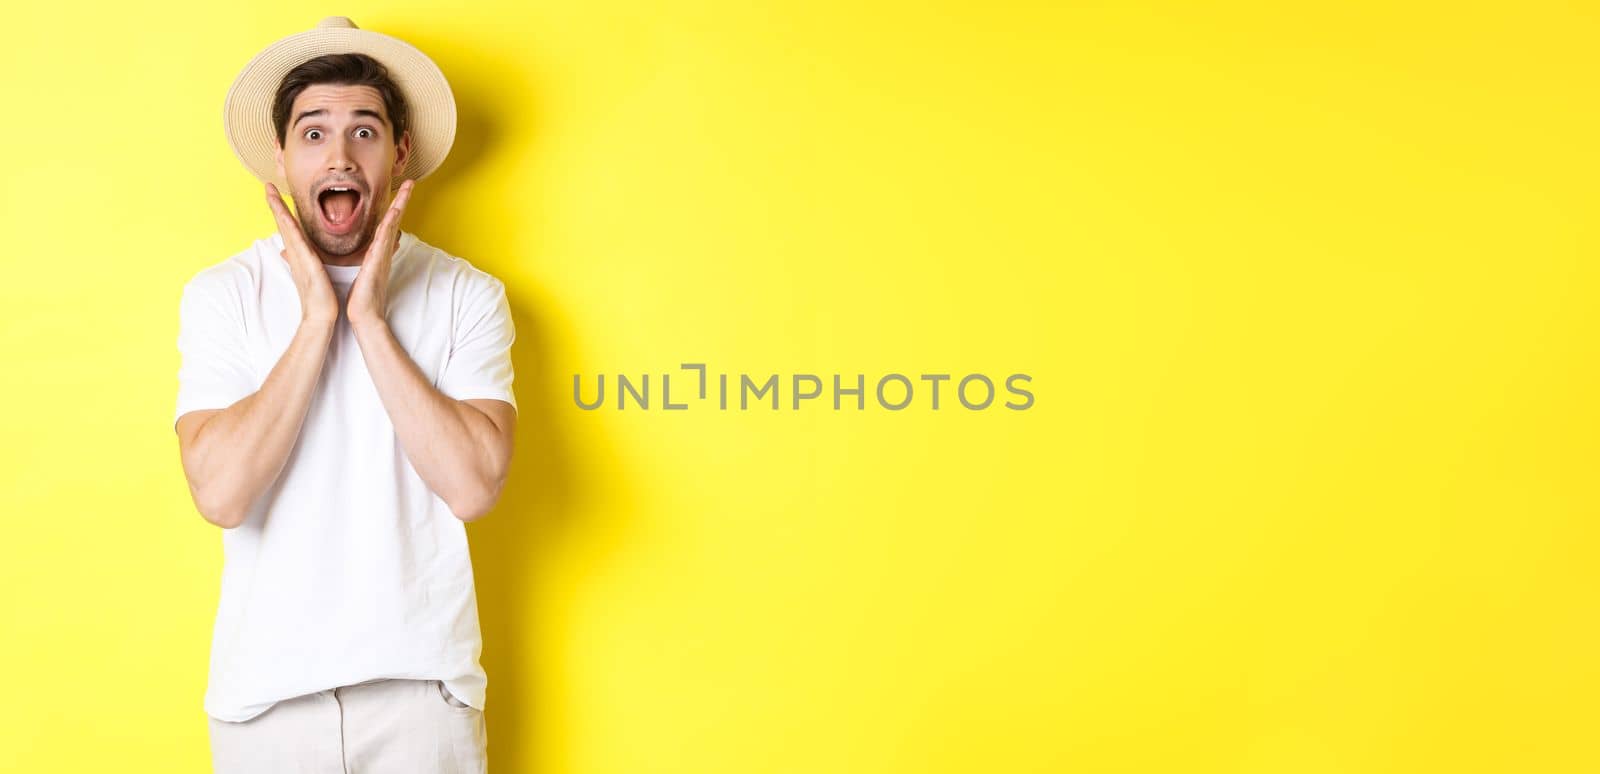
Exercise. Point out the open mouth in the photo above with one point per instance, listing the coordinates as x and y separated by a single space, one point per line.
339 206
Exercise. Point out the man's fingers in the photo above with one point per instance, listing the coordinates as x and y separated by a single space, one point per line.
389 227
397 208
275 204
280 213
403 196
288 224
275 201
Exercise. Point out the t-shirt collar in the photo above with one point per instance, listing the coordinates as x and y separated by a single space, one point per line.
348 273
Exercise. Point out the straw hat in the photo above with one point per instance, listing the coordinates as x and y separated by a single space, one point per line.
247 111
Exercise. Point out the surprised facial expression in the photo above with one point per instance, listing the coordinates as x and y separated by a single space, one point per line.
338 158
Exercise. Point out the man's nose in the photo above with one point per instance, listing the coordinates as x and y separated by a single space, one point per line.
339 156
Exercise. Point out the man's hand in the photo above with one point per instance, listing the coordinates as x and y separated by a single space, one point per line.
369 296
317 300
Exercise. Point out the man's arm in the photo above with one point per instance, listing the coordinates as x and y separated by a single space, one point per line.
232 455
461 449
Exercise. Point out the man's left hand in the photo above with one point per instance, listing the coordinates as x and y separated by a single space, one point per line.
368 302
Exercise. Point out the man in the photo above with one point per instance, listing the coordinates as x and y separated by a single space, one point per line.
344 407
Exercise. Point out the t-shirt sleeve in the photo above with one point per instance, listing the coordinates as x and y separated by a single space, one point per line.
479 365
214 372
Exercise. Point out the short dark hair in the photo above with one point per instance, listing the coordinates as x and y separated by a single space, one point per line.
344 70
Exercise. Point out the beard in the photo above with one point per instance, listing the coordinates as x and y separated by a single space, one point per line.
339 245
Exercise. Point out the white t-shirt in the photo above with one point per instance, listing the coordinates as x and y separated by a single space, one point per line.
348 568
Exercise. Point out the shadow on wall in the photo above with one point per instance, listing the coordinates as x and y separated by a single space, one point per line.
536 516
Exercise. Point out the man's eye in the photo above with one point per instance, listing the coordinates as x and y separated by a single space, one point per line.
310 132
365 129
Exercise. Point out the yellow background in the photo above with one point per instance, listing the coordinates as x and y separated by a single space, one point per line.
1307 295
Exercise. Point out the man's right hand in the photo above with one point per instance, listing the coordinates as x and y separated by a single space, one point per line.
317 300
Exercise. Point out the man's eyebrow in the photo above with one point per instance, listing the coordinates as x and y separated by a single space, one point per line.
373 114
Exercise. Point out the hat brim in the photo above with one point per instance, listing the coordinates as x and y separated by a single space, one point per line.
247 110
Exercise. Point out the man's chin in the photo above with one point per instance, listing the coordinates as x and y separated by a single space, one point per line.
340 247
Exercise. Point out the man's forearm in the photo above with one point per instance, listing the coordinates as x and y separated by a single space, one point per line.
448 442
240 451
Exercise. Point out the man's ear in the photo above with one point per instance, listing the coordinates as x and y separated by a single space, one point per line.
277 156
402 154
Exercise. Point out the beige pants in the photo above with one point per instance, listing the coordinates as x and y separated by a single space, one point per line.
375 727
